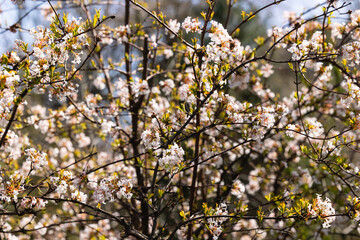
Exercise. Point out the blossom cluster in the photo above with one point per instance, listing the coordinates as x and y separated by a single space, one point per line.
151 139
222 46
36 158
62 182
11 188
238 189
172 157
111 188
215 222
33 203
191 25
323 209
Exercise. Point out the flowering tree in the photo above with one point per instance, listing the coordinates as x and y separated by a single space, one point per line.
158 128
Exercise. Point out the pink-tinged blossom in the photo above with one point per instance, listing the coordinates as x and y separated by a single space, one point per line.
121 33
172 157
332 148
153 41
174 25
184 92
266 70
43 125
14 57
61 183
289 16
9 191
240 79
222 46
92 100
79 196
140 87
238 189
6 101
351 53
47 12
323 209
315 128
36 158
11 78
355 18
235 109
338 29
254 181
105 37
158 106
111 188
219 34
83 140
292 129
151 139
266 116
191 25
296 52
354 93
305 177
122 91
11 142
167 86
299 50
168 53
316 40
38 110
277 33
106 126
215 223
33 203
99 82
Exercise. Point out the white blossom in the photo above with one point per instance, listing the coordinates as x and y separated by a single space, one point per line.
172 157
191 25
238 189
37 159
106 126
151 139
323 209
174 25
112 187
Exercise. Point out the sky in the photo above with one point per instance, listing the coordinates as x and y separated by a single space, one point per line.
297 6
